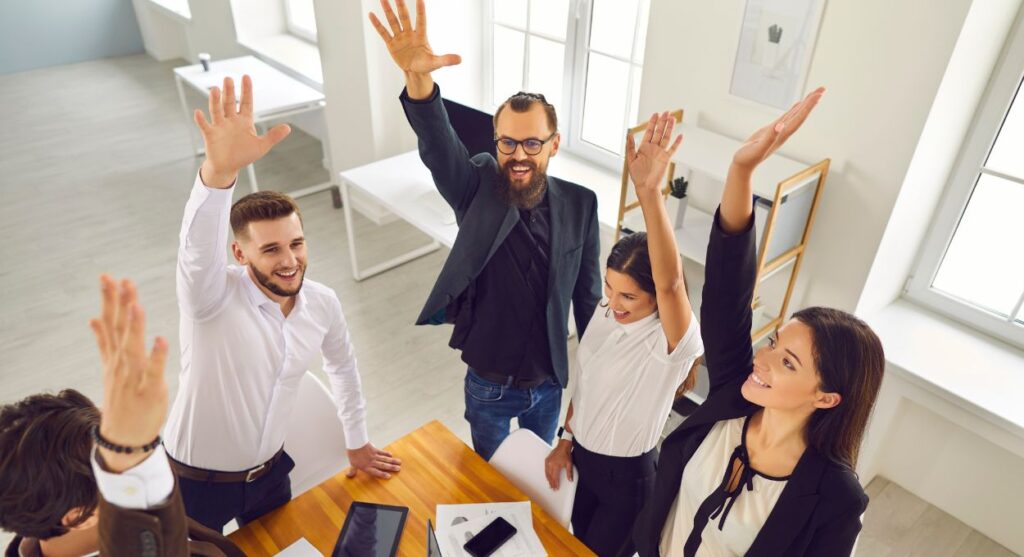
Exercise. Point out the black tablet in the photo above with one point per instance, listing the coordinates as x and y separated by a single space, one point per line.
371 530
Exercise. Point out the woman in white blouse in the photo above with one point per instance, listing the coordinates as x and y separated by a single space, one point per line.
639 347
765 467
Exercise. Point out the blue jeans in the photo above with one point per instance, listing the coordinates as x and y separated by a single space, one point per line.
490 408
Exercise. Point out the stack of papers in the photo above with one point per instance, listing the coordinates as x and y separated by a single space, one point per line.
301 548
457 524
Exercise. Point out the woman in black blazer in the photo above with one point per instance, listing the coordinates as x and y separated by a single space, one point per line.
773 448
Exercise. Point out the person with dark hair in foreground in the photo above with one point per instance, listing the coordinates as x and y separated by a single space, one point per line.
528 244
766 466
639 348
249 333
64 498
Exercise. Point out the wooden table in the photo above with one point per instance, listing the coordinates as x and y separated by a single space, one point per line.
437 468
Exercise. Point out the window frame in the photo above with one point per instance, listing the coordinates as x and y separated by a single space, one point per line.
296 30
1006 83
577 50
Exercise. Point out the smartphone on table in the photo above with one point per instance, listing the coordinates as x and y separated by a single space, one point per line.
488 540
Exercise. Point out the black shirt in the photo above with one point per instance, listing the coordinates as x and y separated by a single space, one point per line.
502 327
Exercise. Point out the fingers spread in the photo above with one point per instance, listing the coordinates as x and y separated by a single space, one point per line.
448 60
403 15
649 133
675 145
135 347
204 126
396 28
245 109
630 147
667 123
102 342
275 135
384 34
158 359
216 108
230 110
421 16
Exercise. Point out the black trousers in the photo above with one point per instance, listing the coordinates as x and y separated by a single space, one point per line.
610 492
214 504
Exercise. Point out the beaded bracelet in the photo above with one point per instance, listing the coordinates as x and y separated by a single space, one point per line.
121 448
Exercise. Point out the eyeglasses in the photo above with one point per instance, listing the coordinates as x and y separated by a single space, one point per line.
531 146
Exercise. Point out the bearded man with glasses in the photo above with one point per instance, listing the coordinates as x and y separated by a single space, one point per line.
528 244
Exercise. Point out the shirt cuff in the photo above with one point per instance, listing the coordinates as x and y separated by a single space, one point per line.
149 484
202 187
356 437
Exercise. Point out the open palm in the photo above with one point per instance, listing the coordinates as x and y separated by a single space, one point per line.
408 45
768 139
230 136
647 164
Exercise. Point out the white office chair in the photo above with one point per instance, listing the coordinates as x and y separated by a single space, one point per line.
520 458
316 439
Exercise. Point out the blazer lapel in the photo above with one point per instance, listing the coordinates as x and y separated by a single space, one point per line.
556 205
509 220
793 509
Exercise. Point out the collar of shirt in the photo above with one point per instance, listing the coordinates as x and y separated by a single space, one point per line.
259 298
629 328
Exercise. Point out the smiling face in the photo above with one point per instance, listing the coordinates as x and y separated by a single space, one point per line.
627 301
784 375
275 252
525 175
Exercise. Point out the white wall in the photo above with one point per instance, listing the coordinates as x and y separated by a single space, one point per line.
881 61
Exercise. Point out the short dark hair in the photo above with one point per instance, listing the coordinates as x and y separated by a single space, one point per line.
630 257
261 205
522 101
45 447
851 362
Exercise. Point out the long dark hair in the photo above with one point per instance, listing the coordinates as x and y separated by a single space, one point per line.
630 257
850 361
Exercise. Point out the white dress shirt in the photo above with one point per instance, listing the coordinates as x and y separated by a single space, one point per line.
624 381
146 485
703 475
241 358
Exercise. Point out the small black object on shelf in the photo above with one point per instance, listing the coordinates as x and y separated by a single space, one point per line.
679 187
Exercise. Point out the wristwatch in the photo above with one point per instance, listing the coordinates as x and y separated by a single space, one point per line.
565 434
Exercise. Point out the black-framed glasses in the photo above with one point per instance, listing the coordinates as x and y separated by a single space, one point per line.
531 145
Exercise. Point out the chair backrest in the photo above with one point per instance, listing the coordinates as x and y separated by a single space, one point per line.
316 439
520 458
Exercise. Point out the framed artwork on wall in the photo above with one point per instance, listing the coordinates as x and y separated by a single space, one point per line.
774 53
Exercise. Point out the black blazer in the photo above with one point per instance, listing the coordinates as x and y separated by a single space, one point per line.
818 512
469 185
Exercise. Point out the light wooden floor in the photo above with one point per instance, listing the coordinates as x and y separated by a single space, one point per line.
95 168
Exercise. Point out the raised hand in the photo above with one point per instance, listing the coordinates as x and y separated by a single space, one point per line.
134 389
408 45
647 164
373 461
230 136
768 139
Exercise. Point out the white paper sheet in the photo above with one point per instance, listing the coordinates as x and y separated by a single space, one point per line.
456 524
301 548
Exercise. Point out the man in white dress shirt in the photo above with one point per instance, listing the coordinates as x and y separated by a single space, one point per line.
249 333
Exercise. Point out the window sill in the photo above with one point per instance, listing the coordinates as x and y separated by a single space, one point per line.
966 368
291 54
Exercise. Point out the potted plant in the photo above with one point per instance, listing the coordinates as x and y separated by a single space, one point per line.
678 191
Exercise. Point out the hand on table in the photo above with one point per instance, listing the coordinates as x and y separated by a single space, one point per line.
409 47
373 461
648 163
230 135
559 459
134 389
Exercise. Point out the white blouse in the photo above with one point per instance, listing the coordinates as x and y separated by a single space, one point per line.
624 380
702 477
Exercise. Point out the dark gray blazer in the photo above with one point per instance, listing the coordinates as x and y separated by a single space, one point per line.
469 185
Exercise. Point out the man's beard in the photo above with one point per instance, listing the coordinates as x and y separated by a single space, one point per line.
265 282
525 197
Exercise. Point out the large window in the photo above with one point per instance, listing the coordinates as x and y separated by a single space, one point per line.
301 19
972 266
585 56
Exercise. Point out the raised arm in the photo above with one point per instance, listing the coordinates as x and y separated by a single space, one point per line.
731 269
440 148
647 164
231 144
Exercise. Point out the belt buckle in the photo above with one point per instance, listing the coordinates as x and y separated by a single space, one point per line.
250 475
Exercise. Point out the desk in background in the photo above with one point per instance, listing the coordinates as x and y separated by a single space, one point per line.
437 468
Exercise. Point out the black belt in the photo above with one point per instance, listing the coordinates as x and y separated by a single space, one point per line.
511 381
199 474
